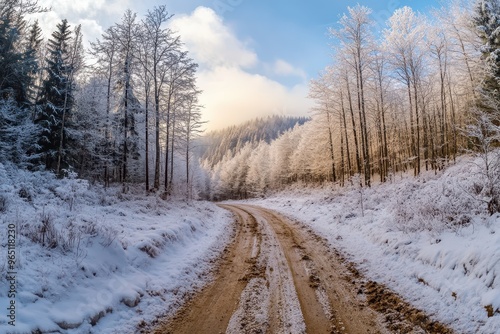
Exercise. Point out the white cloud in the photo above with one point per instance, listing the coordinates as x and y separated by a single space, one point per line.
94 15
231 96
231 93
210 42
91 29
86 7
284 68
80 6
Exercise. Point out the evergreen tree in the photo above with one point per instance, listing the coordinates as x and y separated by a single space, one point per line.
17 65
32 53
487 23
56 97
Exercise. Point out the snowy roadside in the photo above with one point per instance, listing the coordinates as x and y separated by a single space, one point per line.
96 261
427 239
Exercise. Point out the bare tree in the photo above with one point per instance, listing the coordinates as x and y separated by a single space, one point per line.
104 53
403 43
126 34
355 37
158 58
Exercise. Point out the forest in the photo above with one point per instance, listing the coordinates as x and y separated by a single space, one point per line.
409 97
126 111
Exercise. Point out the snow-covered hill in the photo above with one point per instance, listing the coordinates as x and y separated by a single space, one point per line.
429 239
91 260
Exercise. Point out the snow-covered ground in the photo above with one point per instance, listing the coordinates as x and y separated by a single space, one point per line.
429 239
91 260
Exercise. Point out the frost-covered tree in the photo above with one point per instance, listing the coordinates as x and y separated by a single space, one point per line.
104 51
355 39
33 53
53 112
257 180
320 90
16 63
156 57
18 68
89 149
128 105
404 38
487 23
484 138
191 129
18 135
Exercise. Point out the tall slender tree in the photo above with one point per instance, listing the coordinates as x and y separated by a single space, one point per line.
126 35
404 43
157 60
56 98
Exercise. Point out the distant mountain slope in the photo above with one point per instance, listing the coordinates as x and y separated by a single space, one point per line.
216 144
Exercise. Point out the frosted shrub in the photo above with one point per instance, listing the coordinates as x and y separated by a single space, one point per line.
484 136
43 233
437 204
108 235
25 192
72 189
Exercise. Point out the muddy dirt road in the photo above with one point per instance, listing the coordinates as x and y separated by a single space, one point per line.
279 277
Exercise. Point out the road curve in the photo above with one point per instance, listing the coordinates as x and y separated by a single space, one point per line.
279 277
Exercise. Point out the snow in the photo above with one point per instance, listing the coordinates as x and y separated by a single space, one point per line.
110 261
429 239
259 303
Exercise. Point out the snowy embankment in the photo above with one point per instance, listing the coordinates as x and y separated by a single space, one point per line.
95 261
429 239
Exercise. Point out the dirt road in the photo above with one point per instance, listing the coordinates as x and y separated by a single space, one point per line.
279 277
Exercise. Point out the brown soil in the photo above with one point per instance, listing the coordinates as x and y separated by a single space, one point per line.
280 277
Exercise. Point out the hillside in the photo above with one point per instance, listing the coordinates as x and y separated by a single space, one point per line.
216 144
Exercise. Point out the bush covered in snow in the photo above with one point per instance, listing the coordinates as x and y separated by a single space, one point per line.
452 199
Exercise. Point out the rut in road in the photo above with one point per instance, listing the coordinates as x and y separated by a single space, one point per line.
278 277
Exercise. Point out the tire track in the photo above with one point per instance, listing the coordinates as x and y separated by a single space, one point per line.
210 310
279 277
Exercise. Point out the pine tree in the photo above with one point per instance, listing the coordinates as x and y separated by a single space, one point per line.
32 53
487 23
17 65
56 97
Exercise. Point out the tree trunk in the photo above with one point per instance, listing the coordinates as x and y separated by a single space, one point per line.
147 139
167 139
106 127
330 142
125 131
170 183
417 117
364 125
349 165
358 161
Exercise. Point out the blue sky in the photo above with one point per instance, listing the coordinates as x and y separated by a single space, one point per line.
292 30
256 57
